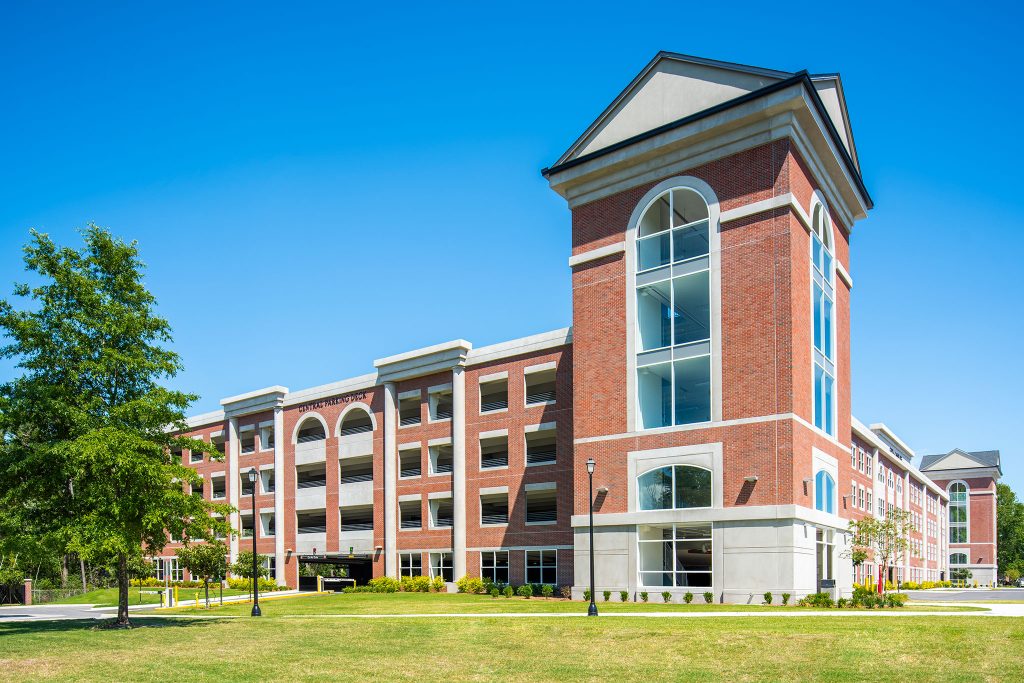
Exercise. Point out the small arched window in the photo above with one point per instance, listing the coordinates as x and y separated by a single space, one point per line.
673 310
823 303
824 492
957 558
674 487
958 513
356 421
311 430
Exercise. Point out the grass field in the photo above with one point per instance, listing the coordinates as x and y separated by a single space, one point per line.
460 603
300 648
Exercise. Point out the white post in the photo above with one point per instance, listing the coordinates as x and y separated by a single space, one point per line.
280 527
459 471
390 482
233 483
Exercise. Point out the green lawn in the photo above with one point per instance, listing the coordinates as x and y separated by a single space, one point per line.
946 648
460 603
106 597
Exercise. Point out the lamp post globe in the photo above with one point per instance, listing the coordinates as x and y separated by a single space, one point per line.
591 466
253 475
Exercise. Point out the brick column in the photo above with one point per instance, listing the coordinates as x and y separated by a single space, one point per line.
28 592
232 482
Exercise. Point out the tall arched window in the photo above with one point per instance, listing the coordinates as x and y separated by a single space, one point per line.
673 310
957 512
311 430
824 492
823 304
356 421
674 487
957 559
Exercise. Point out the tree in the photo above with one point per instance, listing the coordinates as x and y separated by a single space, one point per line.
1009 530
207 560
1012 575
88 431
243 566
886 538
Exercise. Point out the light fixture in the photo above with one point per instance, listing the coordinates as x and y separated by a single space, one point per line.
602 489
751 479
252 476
591 465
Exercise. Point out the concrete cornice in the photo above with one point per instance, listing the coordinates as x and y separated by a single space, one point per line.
254 401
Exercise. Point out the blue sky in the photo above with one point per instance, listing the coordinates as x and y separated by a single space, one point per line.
315 187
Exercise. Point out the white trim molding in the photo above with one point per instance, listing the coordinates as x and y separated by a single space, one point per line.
598 253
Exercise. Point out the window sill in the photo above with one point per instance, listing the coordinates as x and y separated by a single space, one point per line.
493 526
411 424
439 420
440 474
419 528
493 469
498 411
540 403
542 464
541 523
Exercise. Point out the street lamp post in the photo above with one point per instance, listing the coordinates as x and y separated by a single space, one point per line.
592 610
255 558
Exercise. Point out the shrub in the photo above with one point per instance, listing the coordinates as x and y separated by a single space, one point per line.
687 597
895 599
415 584
768 597
266 585
841 603
495 592
623 596
643 596
709 597
785 599
383 584
565 592
526 591
816 600
547 590
438 584
509 591
666 596
586 594
470 584
607 595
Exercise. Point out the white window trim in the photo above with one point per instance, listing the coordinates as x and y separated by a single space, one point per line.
715 291
967 513
818 199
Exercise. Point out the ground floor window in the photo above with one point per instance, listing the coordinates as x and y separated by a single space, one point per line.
494 566
411 564
270 564
542 566
675 555
826 551
158 569
441 565
176 570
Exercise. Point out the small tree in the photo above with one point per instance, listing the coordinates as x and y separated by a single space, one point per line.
887 538
242 567
207 560
1012 575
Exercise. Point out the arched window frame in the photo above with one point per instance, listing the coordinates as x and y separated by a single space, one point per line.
956 556
965 504
633 417
302 420
672 488
825 492
824 373
349 409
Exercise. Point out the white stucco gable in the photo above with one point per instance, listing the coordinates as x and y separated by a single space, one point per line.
673 86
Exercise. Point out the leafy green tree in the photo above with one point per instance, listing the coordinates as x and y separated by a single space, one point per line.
242 566
208 560
88 430
887 539
1009 530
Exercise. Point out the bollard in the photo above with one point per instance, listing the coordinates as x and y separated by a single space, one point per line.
28 592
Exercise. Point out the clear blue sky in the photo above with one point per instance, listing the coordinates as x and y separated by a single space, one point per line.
316 187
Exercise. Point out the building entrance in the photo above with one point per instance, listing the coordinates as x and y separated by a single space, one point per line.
336 570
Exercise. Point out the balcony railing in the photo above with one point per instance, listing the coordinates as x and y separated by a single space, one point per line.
496 404
542 515
540 396
495 518
494 460
540 456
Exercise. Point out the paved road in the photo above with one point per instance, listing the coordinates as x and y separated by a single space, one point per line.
53 613
969 595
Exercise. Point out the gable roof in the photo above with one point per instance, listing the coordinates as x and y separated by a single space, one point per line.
674 90
966 460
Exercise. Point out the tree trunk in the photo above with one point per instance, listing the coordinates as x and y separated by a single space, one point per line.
206 585
122 592
64 571
81 565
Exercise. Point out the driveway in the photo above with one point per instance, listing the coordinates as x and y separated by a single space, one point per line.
54 612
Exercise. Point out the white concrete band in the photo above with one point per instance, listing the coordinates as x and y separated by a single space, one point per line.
279 521
233 483
459 471
390 482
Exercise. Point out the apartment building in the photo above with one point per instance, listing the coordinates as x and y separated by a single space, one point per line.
706 374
